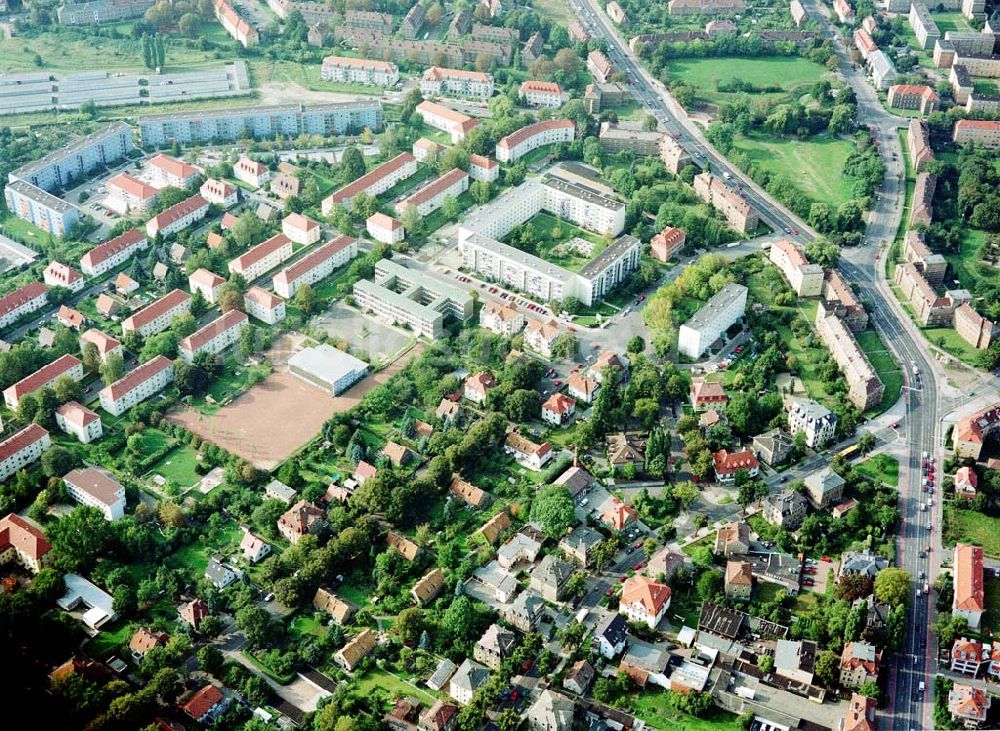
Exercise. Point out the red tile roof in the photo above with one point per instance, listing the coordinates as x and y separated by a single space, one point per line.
429 192
194 341
968 578
558 403
133 186
172 166
20 296
178 211
727 463
17 533
203 701
380 220
19 440
369 179
77 414
104 342
515 138
206 278
307 263
642 590
149 313
138 376
260 251
263 298
46 374
105 251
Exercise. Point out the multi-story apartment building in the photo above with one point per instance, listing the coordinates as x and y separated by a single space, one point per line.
261 122
46 376
22 449
22 301
105 344
845 13
374 182
412 21
501 318
806 279
244 33
137 195
540 94
599 66
969 657
864 43
251 172
385 228
740 214
673 155
859 664
57 274
915 251
178 217
166 170
918 142
799 14
102 11
618 137
882 69
972 431
263 305
347 70
547 132
541 335
840 298
311 12
483 168
644 600
968 583
98 489
381 22
317 265
40 208
76 419
72 163
975 329
156 317
931 309
262 258
961 84
432 196
301 229
817 422
105 257
208 283
922 209
439 81
219 193
978 66
865 388
705 7
447 120
923 25
411 297
979 132
223 332
137 385
911 96
427 150
708 324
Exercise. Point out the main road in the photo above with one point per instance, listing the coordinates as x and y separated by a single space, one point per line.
910 709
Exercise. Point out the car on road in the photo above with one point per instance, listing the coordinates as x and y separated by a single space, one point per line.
808 582
787 230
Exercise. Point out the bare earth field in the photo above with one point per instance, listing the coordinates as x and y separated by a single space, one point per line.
275 418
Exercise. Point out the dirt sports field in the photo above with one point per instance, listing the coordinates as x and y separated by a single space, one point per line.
276 417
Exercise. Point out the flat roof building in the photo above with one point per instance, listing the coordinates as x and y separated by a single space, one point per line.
328 368
708 324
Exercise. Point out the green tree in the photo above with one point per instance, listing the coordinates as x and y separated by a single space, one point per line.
553 510
892 586
305 299
91 357
113 368
765 663
57 461
827 668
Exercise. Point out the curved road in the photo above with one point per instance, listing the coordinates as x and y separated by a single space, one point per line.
861 266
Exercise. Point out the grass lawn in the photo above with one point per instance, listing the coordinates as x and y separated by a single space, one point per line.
951 21
153 440
706 542
967 264
177 466
968 526
234 380
991 619
553 232
654 708
886 367
881 467
194 556
109 642
952 343
813 164
396 686
704 73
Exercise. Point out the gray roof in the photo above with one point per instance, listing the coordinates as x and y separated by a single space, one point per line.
646 656
327 362
552 571
470 675
441 674
279 488
812 410
217 572
719 301
582 537
576 479
618 248
862 563
824 480
612 628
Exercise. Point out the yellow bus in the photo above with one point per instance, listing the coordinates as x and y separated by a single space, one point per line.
849 452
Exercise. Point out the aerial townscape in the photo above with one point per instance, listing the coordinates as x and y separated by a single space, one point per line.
481 365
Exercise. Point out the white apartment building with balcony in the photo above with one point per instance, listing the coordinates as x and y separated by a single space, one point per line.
439 81
105 257
712 320
157 317
22 449
346 70
262 258
223 332
317 265
517 144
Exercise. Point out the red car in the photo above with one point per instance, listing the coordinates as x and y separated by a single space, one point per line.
638 544
642 298
638 566
526 666
515 695
808 582
558 383
610 592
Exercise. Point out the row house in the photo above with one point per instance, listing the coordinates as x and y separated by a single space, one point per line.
740 214
215 337
22 301
105 257
138 385
178 217
22 449
45 377
157 317
262 258
105 344
318 265
432 196
374 183
79 421
244 33
265 306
